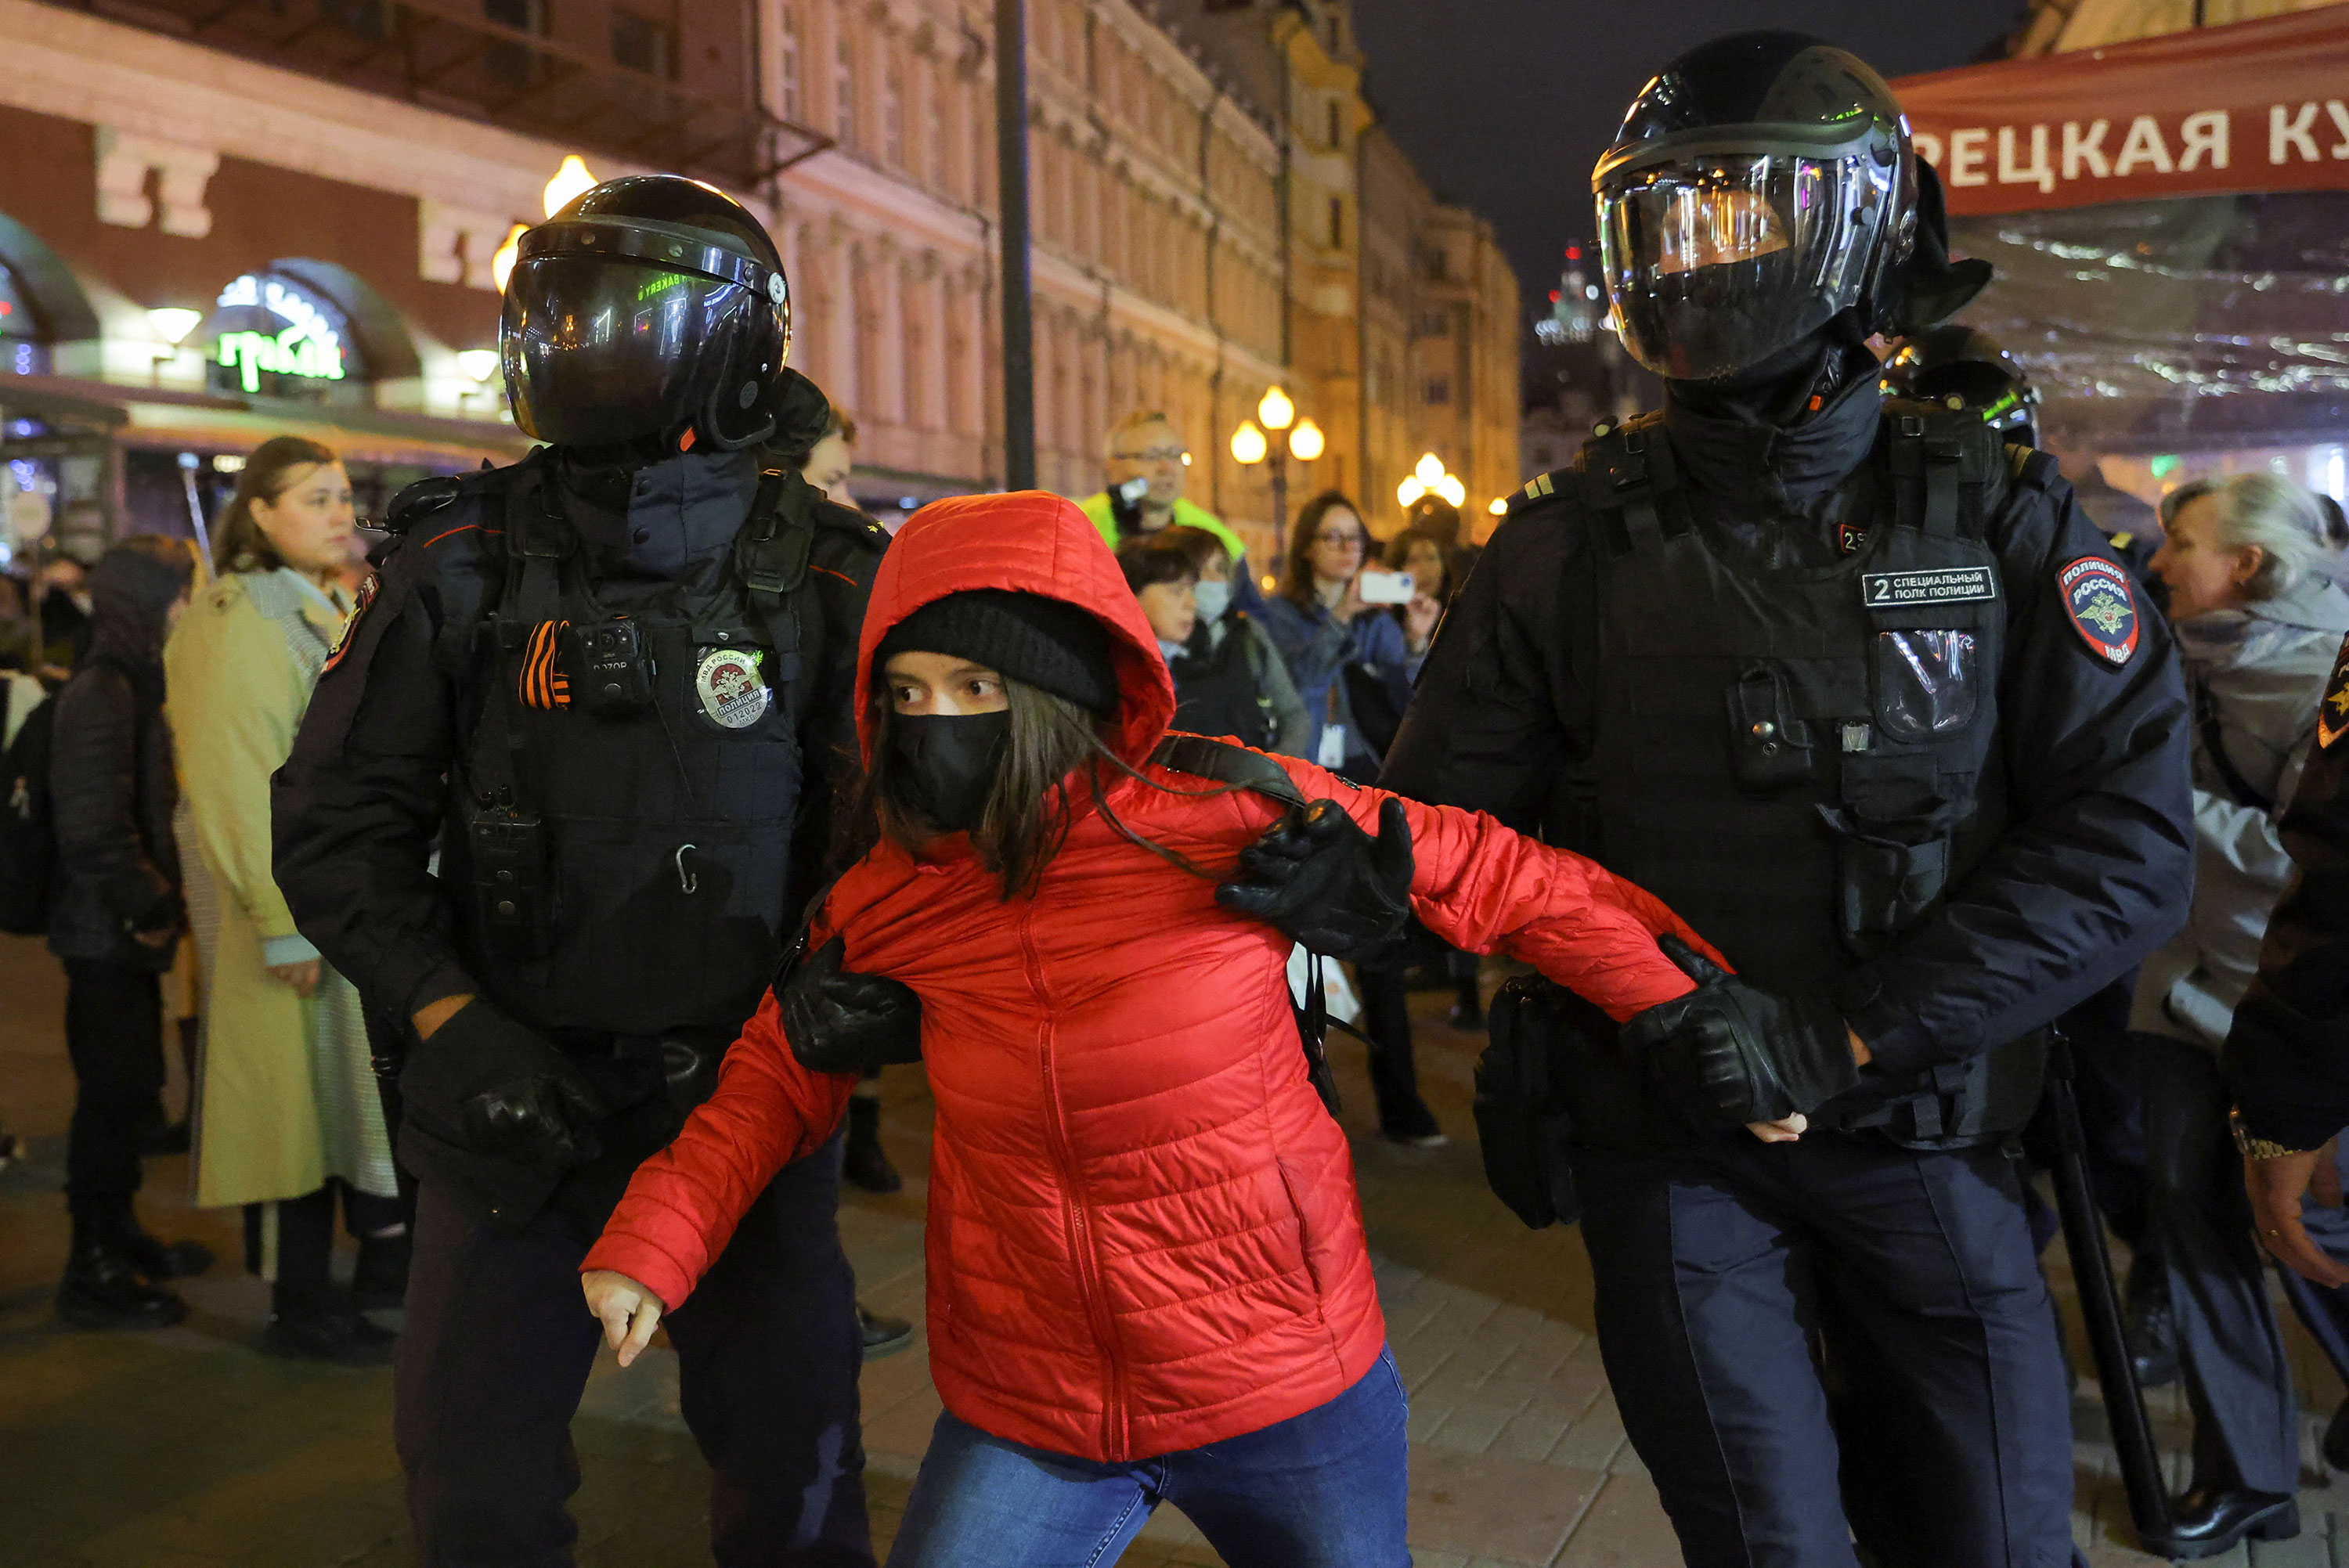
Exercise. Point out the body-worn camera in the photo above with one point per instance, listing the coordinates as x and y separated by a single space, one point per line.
616 670
510 880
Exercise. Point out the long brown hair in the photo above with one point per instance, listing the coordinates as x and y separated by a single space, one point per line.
1298 587
1028 810
238 543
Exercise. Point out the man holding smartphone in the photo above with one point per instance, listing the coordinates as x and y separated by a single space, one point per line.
1145 464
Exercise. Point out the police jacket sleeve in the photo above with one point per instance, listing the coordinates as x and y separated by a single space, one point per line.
2094 868
1484 888
355 809
683 1204
2287 1057
846 554
94 783
1483 730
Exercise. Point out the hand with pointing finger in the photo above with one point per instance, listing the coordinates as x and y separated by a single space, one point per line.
629 1311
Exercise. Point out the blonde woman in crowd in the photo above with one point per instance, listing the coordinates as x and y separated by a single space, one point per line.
2250 566
287 1121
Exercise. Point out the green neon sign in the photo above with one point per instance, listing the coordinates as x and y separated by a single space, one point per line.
293 352
666 281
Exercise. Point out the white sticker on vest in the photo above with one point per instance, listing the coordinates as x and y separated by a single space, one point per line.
1947 586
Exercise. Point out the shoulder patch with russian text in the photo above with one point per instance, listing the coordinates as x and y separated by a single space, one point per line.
351 627
2102 606
2332 713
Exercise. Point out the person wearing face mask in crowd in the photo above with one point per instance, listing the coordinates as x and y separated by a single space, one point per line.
1148 1279
291 1124
2260 622
1229 679
1856 687
117 922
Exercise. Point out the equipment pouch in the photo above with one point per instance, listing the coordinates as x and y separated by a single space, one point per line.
512 898
1769 747
615 669
1523 1127
1892 848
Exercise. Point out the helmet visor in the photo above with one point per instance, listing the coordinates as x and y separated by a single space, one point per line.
1716 263
599 352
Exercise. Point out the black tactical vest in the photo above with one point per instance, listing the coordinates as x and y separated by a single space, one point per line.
633 781
1216 691
1802 761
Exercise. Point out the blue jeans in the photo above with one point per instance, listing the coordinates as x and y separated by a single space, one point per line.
1323 1490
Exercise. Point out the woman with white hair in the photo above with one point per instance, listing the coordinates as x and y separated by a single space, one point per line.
2250 568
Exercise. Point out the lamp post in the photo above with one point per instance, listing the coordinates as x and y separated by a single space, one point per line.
1252 443
1429 477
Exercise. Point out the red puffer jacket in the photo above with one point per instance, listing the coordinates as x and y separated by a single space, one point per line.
1143 1235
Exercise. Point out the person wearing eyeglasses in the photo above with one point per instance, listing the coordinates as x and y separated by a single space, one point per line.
1144 465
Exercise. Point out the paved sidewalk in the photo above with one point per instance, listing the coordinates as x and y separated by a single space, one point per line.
190 1449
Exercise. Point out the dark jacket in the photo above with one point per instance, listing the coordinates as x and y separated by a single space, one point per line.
2287 1057
358 804
2094 863
111 782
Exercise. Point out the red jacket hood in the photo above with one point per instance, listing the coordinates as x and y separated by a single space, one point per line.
1030 541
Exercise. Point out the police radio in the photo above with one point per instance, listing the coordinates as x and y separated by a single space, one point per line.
509 882
616 670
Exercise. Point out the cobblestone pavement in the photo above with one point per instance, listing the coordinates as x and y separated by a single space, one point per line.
188 1449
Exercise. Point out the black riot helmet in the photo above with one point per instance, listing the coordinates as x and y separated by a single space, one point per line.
651 311
1967 368
1762 186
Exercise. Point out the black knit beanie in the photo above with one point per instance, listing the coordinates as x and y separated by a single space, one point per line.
1047 644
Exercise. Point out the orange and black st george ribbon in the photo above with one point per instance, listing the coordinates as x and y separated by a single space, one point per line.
544 684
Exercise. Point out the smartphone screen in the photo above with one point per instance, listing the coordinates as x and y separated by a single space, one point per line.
1387 587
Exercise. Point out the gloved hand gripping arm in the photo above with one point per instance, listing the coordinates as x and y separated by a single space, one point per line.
839 1021
1321 882
1728 1054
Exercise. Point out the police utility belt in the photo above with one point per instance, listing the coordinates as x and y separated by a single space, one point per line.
1801 763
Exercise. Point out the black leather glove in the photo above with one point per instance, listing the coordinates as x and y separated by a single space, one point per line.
1324 882
1727 1054
490 1086
839 1021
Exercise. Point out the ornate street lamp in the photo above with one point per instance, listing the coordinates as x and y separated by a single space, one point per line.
1251 445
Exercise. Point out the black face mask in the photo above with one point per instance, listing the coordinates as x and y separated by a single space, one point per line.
950 762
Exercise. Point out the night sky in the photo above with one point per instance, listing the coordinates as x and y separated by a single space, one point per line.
1505 105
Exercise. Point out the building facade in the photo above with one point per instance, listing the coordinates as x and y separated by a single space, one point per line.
1214 213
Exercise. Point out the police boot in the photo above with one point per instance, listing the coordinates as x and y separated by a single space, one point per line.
2151 1328
863 1164
158 1259
2207 1522
2335 1447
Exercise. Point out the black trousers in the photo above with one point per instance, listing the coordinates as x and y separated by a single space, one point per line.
1829 1338
497 1349
2238 1380
114 1035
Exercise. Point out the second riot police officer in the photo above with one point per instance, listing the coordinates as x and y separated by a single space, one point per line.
1855 690
613 681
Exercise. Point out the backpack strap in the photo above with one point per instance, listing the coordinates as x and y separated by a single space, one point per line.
1628 477
1950 471
1228 764
771 557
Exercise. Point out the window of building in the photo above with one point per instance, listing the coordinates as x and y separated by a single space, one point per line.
1336 125
1435 324
1337 33
514 64
644 45
1337 223
1439 389
790 69
367 18
892 115
844 89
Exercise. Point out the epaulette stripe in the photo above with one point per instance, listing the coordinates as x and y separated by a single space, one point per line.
828 572
459 529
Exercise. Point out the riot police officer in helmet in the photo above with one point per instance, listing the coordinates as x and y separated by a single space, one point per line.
1966 367
613 681
1850 685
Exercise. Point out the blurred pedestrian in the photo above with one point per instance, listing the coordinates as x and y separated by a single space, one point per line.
116 923
1353 668
2259 621
832 458
1229 679
1145 467
289 1121
64 611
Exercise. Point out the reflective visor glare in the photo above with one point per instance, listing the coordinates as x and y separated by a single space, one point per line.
1722 211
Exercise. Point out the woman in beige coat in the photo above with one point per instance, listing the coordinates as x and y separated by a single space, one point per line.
286 1115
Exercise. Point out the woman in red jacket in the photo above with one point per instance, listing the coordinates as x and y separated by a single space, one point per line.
1148 1278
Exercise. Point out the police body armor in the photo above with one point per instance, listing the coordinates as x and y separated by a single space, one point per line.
631 786
1802 761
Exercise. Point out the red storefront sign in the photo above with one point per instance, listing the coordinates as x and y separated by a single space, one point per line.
2257 105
